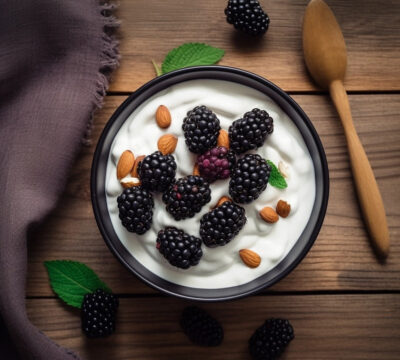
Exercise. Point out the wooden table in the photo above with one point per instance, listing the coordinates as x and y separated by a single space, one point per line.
342 302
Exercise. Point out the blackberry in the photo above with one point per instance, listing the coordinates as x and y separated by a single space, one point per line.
249 178
180 249
216 163
98 314
201 328
135 206
247 16
157 171
251 131
186 196
219 226
201 129
270 340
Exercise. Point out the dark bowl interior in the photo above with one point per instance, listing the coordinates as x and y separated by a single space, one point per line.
299 118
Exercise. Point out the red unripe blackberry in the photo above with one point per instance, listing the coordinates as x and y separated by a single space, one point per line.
216 163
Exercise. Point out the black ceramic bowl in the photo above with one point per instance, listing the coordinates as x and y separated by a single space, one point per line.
299 118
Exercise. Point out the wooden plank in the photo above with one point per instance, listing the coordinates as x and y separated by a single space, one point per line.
341 258
150 28
326 327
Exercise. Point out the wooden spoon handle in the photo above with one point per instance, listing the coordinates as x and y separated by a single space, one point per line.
367 189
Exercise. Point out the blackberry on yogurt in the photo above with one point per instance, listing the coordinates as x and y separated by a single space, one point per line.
179 248
186 196
250 132
135 206
219 226
249 178
157 171
201 129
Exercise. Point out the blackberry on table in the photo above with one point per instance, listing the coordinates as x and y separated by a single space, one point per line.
219 226
249 178
98 314
247 16
186 196
216 163
200 327
157 171
270 340
135 206
201 129
250 131
179 248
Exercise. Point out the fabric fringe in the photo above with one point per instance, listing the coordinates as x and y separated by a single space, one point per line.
109 61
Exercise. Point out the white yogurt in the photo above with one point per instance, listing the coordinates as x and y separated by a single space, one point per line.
219 267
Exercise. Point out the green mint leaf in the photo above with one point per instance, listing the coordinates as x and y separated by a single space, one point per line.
71 280
276 179
191 54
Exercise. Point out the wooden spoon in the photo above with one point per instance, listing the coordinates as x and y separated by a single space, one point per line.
326 59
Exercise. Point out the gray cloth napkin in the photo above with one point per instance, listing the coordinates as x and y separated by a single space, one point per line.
55 57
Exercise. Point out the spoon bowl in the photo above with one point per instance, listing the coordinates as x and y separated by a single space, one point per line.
323 44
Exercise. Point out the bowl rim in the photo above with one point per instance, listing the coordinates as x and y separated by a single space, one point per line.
302 122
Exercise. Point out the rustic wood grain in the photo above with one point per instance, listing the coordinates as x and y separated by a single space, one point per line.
326 327
341 258
150 28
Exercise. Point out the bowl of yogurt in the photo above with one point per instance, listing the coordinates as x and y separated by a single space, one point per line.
294 144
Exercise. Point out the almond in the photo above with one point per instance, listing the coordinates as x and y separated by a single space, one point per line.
130 182
196 171
125 164
222 200
134 172
163 117
269 215
250 258
223 139
167 144
283 208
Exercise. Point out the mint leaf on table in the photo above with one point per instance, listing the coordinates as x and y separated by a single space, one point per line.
190 54
276 179
71 280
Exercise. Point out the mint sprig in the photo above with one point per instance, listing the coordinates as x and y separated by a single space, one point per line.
189 54
71 280
276 179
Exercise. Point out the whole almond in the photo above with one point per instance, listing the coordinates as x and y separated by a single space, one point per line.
134 172
163 117
283 208
223 139
130 182
269 215
196 171
222 200
250 258
125 164
167 144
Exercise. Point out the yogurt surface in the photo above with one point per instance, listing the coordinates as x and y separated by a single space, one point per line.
219 267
